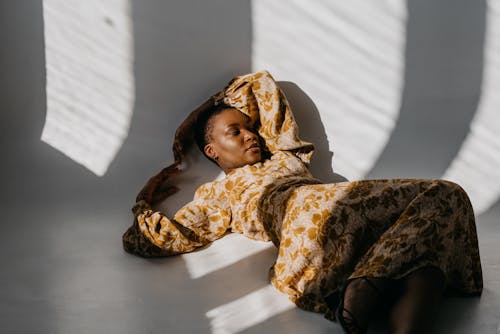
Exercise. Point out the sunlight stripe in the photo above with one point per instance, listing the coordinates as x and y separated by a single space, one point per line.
477 165
248 311
90 84
349 59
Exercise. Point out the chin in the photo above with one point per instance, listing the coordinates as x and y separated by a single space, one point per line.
255 161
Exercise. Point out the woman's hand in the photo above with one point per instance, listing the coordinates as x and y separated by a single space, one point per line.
155 189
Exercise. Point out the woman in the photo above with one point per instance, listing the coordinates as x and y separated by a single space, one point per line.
345 248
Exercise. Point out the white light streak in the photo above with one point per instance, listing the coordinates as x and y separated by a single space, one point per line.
222 253
248 311
349 58
477 165
90 85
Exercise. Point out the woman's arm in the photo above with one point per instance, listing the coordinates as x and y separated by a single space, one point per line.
198 223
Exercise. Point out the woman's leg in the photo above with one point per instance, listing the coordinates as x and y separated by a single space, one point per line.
414 310
379 228
362 297
436 228
418 296
325 231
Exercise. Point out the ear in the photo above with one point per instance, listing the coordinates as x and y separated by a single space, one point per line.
210 151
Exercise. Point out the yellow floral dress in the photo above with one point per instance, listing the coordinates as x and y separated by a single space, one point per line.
325 233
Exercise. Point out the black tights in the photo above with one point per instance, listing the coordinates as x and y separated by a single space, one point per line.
411 301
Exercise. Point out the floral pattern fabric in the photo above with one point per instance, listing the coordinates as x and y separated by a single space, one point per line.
325 233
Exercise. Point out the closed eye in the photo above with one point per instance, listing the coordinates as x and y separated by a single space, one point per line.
251 129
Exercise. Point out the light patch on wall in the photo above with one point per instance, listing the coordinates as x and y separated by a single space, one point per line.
349 58
477 165
248 311
90 85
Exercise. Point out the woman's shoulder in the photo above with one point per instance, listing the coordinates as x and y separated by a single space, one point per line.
209 190
285 155
282 155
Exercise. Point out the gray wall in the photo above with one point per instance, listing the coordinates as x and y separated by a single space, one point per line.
442 87
184 52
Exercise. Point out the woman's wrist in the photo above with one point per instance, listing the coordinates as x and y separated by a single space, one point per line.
140 206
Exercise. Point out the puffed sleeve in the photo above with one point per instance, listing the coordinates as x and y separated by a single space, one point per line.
258 96
196 224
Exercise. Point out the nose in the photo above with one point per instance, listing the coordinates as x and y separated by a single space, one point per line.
250 135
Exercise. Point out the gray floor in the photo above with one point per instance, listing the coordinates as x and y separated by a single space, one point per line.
63 267
64 271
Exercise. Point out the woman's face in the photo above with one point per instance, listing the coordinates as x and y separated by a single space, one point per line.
234 143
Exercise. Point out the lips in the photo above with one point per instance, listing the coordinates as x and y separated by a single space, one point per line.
253 146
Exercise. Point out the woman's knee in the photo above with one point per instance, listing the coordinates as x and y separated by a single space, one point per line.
449 187
428 278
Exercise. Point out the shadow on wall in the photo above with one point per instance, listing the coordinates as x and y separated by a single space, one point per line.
312 130
178 64
443 75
